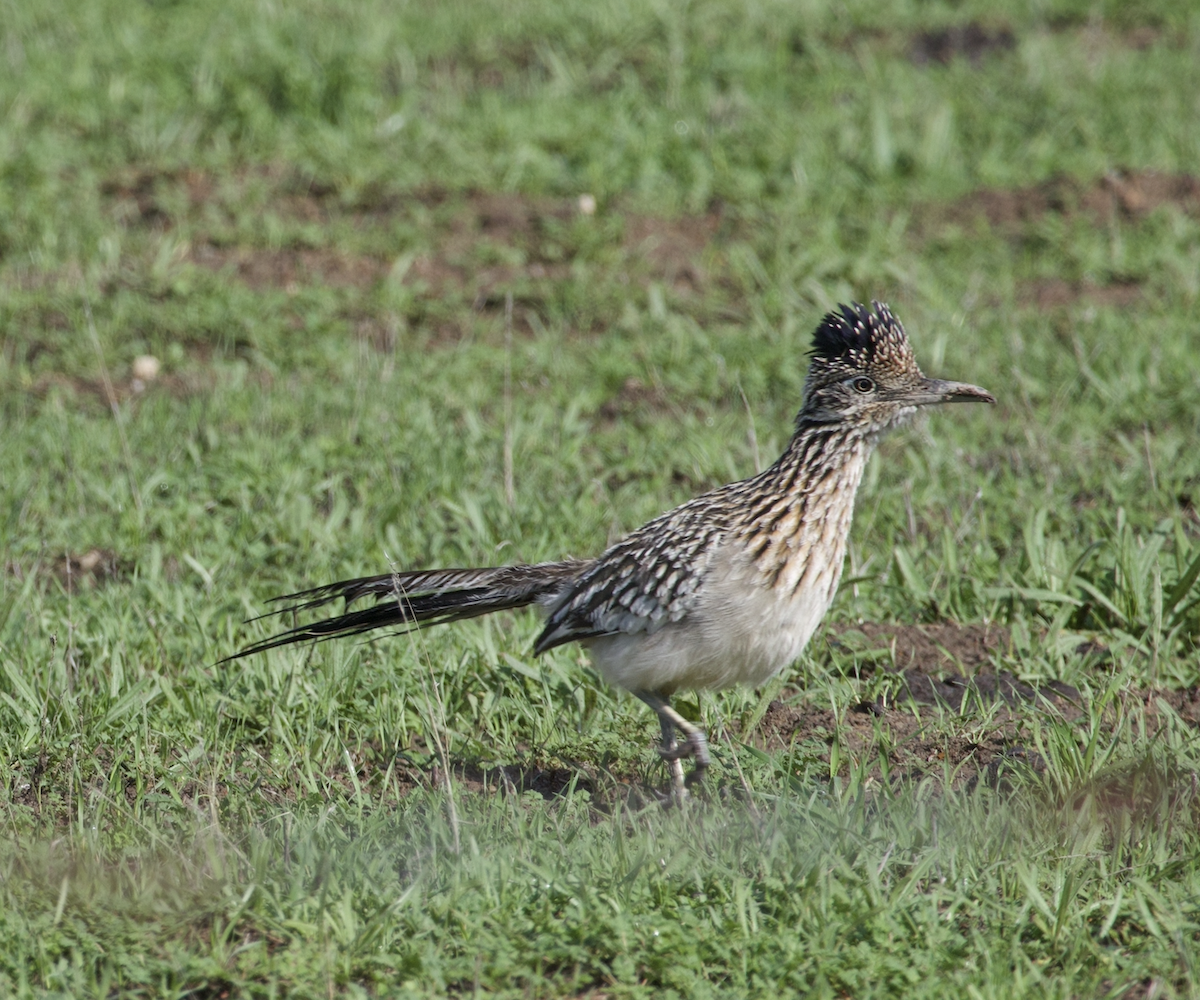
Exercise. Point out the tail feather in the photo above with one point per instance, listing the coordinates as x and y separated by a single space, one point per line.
423 597
411 583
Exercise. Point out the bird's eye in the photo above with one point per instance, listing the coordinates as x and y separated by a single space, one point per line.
863 384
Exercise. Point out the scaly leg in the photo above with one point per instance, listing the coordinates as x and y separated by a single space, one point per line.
695 743
670 753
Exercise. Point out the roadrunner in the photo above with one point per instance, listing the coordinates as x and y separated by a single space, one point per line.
726 589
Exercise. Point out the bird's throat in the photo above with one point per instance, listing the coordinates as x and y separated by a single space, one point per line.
801 516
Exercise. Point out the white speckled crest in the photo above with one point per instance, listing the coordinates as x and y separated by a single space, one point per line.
857 339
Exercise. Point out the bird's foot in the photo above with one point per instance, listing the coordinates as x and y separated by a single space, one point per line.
694 746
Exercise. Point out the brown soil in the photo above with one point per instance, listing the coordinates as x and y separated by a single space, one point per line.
938 664
1120 194
135 199
508 222
972 41
532 231
1056 293
124 389
914 751
673 247
928 647
634 397
140 197
89 568
975 42
1096 36
668 250
1184 703
663 249
481 246
1128 195
290 268
548 782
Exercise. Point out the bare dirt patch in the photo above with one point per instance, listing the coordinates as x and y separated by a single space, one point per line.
145 197
1056 293
1128 194
495 240
124 389
975 41
931 647
455 250
90 567
673 248
538 230
134 199
633 398
913 751
936 665
944 663
1125 195
1097 35
972 41
290 268
1185 703
941 665
481 246
548 782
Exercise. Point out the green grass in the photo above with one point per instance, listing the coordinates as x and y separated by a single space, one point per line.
334 822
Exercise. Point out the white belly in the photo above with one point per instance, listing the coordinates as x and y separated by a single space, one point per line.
741 631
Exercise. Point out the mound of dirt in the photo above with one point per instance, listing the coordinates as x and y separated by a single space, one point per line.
945 662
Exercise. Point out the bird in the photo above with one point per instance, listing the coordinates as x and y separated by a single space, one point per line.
725 589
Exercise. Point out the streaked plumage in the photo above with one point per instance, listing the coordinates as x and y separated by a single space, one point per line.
724 589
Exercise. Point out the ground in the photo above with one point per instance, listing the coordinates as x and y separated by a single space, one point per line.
294 293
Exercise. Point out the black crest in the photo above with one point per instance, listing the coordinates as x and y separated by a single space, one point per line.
856 331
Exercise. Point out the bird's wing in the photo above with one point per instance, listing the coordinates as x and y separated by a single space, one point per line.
642 582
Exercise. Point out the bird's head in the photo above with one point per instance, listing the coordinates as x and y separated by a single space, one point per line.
863 372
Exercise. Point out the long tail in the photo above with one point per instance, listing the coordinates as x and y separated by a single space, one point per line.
423 597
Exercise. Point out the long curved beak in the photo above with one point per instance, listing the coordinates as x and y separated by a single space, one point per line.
936 390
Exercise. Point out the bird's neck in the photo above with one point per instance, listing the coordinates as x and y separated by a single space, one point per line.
819 457
803 504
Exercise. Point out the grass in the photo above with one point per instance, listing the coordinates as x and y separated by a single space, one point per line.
311 214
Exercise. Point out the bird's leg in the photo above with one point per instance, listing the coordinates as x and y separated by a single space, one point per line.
670 753
668 734
695 743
